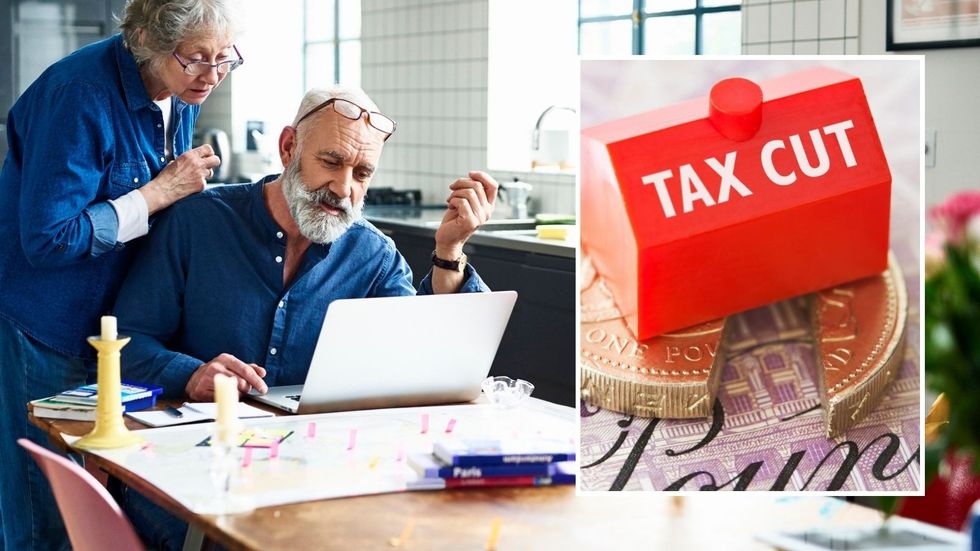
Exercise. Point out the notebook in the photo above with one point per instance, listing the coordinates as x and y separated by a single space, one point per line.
194 413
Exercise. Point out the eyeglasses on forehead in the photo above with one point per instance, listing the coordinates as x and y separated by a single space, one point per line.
353 111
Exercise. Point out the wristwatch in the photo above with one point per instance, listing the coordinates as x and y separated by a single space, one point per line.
457 265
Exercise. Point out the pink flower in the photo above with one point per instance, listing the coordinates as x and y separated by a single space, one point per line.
953 215
935 253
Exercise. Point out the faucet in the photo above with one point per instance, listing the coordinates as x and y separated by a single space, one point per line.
536 135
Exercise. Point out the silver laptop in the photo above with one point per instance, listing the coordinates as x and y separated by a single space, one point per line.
399 351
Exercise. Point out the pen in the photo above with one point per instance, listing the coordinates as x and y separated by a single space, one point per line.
173 412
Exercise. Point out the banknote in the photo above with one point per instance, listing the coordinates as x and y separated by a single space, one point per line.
765 432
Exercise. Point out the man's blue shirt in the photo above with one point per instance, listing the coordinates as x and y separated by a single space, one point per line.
84 132
209 280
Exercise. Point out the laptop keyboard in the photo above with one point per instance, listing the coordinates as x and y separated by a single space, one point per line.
293 397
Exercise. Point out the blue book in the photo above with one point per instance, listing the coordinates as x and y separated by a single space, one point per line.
142 403
564 473
466 452
88 395
427 466
54 409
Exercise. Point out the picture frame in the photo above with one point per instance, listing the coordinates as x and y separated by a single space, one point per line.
926 24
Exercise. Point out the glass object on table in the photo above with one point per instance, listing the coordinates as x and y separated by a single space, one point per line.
225 470
506 393
507 397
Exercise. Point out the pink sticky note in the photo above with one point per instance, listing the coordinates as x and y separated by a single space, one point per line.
451 425
352 441
247 458
274 449
311 430
425 423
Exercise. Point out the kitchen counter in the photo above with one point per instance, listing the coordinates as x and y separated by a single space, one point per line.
423 221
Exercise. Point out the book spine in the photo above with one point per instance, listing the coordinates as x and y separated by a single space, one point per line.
517 459
141 403
94 400
498 481
67 414
563 478
73 400
127 398
529 469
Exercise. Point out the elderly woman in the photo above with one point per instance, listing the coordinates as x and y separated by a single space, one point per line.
98 144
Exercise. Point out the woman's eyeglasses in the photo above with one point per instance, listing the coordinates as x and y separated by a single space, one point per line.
198 68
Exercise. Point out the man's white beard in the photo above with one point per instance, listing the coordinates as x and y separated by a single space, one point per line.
315 224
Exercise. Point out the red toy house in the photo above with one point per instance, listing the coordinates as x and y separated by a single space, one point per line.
720 204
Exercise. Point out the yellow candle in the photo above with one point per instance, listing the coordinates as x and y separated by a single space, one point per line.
109 328
226 396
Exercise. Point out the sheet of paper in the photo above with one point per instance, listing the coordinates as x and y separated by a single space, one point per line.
244 411
348 454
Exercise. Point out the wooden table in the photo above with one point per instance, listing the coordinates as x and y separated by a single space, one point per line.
529 518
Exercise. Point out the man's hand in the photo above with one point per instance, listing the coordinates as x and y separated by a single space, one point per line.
187 174
470 205
200 387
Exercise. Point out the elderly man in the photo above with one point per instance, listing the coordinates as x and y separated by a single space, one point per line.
237 280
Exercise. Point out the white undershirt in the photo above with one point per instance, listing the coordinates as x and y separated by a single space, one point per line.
131 209
168 144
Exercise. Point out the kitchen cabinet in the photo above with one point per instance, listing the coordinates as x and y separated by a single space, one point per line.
539 343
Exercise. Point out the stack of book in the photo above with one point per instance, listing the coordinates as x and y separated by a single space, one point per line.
461 462
79 403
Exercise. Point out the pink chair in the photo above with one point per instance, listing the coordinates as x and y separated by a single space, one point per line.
93 519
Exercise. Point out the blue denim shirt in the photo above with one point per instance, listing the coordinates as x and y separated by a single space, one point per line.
209 281
84 132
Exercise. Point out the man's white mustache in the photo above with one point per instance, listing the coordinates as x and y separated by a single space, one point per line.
329 198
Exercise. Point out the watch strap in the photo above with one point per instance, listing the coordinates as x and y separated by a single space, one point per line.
457 265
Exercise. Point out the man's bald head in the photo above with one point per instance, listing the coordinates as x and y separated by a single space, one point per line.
318 96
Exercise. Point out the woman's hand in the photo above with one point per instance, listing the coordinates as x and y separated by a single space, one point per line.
187 174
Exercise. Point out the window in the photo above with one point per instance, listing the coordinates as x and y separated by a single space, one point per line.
331 42
670 27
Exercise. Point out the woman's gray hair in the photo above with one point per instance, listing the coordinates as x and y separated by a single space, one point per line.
152 29
317 96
